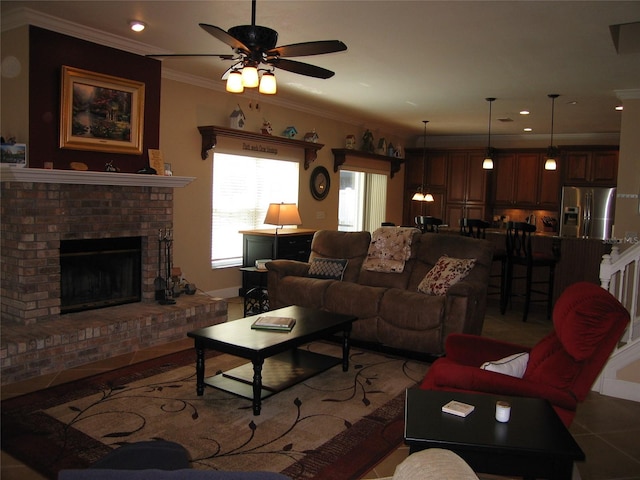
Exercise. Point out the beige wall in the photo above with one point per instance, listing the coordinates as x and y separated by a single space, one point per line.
184 107
627 221
14 111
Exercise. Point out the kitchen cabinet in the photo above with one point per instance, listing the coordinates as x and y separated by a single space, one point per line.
466 187
598 167
522 182
435 182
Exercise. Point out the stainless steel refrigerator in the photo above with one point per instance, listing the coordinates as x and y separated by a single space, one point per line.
587 212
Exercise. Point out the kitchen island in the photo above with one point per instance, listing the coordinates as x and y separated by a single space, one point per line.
578 259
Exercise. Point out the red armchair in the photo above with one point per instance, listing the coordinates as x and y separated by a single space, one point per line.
588 322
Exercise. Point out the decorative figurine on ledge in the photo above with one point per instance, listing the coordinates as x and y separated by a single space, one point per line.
367 142
110 167
382 147
350 142
237 119
311 136
290 132
266 128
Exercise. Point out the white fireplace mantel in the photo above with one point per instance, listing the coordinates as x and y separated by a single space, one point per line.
40 175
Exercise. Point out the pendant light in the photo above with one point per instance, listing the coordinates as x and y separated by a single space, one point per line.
422 195
487 163
552 152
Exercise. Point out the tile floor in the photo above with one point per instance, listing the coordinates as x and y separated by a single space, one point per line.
606 428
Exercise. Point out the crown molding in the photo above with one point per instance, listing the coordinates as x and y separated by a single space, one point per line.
25 16
530 140
629 94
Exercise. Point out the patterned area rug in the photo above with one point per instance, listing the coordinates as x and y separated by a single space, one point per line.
335 425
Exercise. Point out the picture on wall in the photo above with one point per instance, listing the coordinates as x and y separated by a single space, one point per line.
100 112
13 154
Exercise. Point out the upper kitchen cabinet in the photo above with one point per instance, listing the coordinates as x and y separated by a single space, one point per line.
466 186
436 168
520 181
434 178
597 167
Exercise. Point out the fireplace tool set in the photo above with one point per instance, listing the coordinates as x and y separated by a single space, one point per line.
163 283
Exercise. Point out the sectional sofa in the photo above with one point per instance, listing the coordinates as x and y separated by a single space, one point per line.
392 312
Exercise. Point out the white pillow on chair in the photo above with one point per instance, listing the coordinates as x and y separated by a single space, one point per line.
513 365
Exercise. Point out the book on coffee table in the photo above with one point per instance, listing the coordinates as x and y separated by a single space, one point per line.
458 408
274 323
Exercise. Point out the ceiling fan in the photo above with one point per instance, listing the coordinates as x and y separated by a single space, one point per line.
255 46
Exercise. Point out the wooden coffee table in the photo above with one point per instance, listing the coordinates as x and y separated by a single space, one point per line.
276 362
533 444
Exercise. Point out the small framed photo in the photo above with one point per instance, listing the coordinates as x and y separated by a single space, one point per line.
14 154
101 113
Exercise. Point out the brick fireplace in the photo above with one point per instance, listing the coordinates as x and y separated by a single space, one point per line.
41 208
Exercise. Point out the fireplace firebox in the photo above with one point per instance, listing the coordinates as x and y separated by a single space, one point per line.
97 273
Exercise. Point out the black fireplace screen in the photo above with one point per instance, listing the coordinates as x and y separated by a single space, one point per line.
97 273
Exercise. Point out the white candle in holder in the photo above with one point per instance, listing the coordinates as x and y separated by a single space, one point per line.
503 411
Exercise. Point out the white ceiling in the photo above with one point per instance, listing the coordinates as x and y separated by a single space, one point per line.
407 61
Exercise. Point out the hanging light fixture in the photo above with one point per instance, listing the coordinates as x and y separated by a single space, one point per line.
421 194
552 152
248 76
487 164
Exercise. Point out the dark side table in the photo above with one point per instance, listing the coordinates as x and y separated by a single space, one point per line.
533 444
256 296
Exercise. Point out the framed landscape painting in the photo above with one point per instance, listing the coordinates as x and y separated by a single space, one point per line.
99 112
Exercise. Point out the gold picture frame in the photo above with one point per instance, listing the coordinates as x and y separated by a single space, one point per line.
100 112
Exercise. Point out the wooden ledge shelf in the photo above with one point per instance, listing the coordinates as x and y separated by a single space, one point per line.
340 157
210 134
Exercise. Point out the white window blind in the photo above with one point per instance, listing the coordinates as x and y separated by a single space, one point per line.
243 187
362 202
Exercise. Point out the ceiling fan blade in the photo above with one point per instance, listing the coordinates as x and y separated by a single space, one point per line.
187 55
308 48
224 37
301 68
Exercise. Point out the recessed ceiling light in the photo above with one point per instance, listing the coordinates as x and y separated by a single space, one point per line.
528 129
619 108
137 26
524 112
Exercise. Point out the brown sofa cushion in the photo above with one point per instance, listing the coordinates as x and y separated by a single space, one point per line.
304 291
351 246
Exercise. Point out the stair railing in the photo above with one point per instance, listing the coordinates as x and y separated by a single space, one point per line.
620 276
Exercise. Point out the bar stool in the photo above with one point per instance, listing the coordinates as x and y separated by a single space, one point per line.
428 223
519 252
476 228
